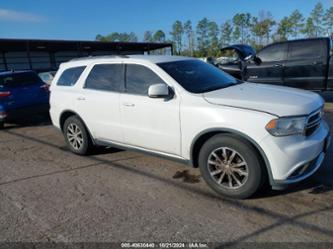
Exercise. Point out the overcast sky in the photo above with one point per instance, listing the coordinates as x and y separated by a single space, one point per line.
74 19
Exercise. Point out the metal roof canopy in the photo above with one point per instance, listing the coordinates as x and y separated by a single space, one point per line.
78 48
67 45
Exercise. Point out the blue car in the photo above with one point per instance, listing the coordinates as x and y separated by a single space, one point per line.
22 93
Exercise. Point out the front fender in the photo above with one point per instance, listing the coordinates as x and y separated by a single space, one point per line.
212 131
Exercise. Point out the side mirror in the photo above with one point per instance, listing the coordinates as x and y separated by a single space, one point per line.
254 58
159 91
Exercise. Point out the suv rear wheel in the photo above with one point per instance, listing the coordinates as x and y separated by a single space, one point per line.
231 166
77 136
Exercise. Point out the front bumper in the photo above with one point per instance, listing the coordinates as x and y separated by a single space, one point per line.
314 165
295 158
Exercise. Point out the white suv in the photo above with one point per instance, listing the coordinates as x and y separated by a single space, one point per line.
239 134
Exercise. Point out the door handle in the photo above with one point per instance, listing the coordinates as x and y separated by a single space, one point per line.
81 98
278 65
317 63
129 104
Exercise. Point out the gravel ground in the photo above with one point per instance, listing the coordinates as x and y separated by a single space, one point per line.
49 194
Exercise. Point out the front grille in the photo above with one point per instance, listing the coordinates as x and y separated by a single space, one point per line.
313 122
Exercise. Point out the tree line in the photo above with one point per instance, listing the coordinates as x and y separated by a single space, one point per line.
206 37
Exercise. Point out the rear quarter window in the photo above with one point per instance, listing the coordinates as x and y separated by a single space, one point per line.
70 76
305 50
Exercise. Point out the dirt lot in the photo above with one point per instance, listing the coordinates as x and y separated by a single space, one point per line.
49 194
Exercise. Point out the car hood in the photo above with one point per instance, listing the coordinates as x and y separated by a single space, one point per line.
276 100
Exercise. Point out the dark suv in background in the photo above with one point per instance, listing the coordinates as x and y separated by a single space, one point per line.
305 63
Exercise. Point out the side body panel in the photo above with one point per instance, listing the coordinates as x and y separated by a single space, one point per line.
197 116
306 66
63 98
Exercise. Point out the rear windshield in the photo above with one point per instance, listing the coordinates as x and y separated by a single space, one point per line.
197 76
19 79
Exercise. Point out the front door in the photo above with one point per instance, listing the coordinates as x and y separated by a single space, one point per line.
149 123
271 68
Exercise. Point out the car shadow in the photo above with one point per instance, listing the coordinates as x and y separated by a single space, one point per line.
314 185
317 184
104 150
96 150
34 120
279 219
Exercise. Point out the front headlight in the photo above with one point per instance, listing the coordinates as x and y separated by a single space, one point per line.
286 126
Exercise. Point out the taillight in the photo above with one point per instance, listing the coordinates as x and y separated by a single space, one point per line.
4 94
45 87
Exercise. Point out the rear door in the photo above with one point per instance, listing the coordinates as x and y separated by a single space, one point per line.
306 65
270 70
98 101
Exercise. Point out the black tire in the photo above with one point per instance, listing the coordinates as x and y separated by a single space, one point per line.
250 183
83 148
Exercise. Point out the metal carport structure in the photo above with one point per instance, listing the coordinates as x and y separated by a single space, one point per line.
46 55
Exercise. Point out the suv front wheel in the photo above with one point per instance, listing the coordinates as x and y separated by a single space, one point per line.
231 166
77 136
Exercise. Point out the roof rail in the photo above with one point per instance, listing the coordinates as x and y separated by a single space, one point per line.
99 57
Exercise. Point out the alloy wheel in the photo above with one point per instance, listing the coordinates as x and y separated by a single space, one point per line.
74 136
227 168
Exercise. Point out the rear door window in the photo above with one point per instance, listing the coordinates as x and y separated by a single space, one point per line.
276 52
106 77
70 76
139 78
305 50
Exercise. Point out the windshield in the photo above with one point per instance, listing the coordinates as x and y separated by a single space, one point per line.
197 76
